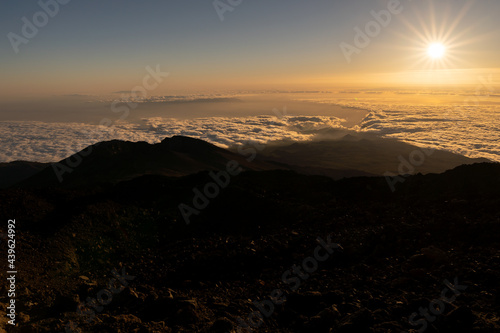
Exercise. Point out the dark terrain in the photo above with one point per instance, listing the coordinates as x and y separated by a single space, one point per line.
349 155
14 172
113 212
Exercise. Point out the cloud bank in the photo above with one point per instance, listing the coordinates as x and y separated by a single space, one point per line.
456 125
50 142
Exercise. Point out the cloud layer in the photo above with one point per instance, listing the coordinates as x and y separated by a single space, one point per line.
470 129
466 130
49 142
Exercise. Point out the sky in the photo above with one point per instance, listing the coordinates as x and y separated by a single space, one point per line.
98 47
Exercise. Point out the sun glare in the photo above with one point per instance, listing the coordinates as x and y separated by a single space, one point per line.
436 50
438 39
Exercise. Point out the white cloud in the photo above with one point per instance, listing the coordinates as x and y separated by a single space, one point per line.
49 142
461 127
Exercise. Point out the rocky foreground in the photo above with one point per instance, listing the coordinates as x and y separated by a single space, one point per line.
274 251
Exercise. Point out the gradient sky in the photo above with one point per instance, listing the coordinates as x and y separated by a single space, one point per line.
102 46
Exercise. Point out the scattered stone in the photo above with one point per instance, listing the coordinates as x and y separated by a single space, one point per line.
127 319
23 318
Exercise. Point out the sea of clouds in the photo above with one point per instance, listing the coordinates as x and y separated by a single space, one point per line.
50 142
467 124
464 128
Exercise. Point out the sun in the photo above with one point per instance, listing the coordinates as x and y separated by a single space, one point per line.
436 39
436 50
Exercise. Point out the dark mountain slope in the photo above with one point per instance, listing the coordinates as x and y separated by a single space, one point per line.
365 153
397 249
114 161
350 156
14 172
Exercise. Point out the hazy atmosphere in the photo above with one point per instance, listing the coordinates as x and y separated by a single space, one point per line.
232 166
100 47
79 62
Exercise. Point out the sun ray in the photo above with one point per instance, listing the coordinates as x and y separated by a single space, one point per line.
458 19
438 43
444 24
432 18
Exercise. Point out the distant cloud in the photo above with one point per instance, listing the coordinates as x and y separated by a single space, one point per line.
470 130
464 129
48 142
198 98
77 95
